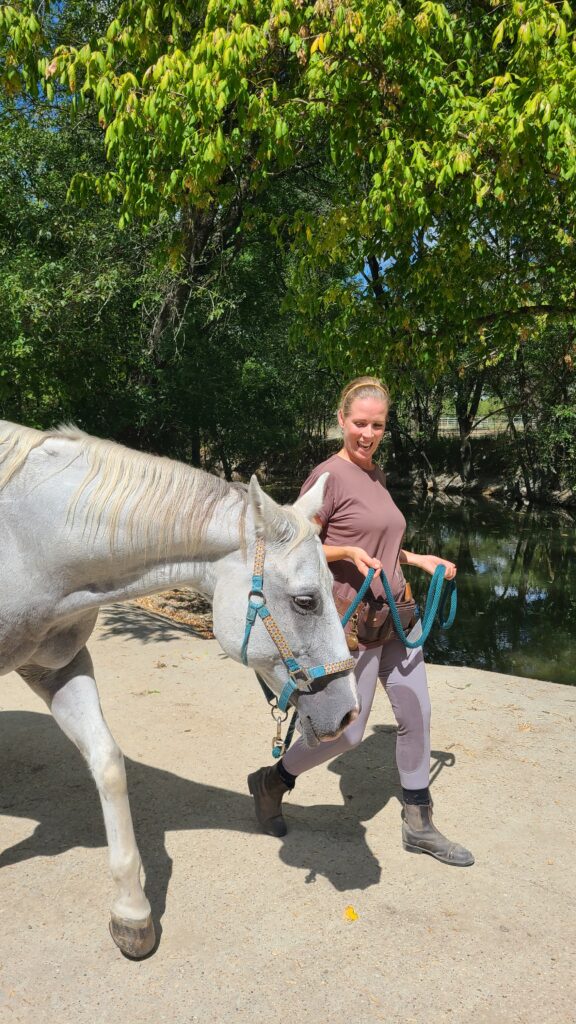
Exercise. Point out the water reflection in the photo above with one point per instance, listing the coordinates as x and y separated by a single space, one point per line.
516 585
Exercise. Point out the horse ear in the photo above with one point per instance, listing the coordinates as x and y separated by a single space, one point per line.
309 504
269 520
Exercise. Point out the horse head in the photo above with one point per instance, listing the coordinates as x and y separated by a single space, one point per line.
297 591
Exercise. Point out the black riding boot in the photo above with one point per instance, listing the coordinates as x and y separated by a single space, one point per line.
268 787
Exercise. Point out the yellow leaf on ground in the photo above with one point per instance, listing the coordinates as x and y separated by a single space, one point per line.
350 914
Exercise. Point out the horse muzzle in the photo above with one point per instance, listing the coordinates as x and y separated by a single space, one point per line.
325 713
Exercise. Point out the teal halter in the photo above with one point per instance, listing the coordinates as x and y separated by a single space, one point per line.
300 678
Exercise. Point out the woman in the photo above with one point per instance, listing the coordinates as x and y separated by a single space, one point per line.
362 528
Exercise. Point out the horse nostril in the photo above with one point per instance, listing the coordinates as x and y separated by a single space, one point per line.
349 718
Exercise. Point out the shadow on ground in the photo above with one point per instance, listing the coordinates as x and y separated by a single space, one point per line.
44 778
134 623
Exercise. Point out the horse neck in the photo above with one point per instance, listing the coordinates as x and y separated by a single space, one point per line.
117 525
145 561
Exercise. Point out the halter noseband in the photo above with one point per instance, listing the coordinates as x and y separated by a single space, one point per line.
300 678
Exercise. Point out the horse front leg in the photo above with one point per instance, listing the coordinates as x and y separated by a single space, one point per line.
72 697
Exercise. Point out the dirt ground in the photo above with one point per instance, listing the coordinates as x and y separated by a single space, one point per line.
333 923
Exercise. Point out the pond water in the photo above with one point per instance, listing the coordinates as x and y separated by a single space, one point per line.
516 584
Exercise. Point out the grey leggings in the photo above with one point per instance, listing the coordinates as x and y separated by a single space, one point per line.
403 675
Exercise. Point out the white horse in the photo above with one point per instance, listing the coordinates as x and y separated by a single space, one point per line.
86 522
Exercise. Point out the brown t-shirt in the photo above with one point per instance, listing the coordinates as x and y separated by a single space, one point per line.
358 510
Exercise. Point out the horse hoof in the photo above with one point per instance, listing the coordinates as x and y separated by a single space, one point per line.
136 939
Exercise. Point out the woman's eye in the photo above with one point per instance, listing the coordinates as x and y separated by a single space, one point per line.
306 602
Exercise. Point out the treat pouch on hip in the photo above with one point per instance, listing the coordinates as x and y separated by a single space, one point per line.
371 624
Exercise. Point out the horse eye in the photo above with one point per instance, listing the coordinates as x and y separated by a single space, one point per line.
306 602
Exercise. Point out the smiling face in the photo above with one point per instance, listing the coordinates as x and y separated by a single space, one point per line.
363 429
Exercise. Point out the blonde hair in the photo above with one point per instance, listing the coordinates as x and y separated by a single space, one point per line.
362 387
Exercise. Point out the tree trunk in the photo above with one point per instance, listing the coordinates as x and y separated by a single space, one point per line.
519 446
206 235
226 465
467 401
195 446
401 461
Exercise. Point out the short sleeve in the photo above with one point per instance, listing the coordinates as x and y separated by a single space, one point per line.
329 502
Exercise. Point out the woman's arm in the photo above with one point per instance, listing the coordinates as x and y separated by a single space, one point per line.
348 552
428 563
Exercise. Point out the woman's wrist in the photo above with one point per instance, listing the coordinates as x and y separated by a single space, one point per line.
409 558
336 554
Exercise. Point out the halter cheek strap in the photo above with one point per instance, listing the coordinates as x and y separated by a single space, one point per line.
300 678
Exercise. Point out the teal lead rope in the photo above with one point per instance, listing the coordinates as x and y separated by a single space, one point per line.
434 609
435 602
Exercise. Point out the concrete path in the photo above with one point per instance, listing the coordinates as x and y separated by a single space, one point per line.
257 930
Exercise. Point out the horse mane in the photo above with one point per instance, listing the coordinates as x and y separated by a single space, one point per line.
159 492
16 443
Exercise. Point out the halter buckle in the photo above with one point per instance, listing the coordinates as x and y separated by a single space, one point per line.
301 676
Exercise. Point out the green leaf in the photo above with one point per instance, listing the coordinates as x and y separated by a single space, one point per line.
498 35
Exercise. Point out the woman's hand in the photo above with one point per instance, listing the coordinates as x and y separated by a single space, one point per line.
428 563
362 560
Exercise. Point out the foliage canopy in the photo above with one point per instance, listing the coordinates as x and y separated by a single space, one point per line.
446 125
407 169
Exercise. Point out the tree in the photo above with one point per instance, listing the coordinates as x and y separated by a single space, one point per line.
444 123
69 325
427 153
538 387
79 298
